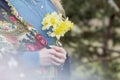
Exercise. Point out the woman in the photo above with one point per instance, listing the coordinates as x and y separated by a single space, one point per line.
22 18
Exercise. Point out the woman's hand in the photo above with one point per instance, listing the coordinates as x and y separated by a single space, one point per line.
54 56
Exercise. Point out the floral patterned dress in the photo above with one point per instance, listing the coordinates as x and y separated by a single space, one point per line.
17 36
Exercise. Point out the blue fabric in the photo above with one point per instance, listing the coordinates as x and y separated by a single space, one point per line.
33 14
29 59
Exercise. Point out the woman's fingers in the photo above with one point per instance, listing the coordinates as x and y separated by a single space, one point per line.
45 57
55 55
57 61
58 58
58 54
58 49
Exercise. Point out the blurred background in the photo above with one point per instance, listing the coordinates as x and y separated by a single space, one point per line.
94 42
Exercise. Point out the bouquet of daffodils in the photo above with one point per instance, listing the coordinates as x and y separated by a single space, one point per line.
56 25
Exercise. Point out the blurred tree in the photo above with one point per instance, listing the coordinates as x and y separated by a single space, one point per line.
94 42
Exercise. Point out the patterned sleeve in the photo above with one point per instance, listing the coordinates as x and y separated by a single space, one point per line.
18 35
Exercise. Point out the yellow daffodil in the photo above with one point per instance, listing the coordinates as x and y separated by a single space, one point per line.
59 25
45 22
51 20
61 29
